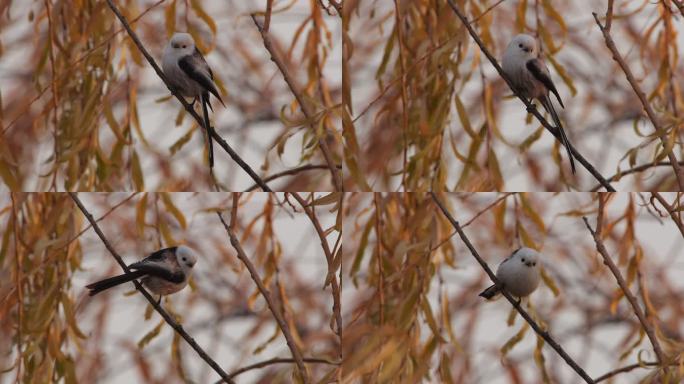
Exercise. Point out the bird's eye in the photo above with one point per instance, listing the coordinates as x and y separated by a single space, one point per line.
533 264
184 46
523 259
520 45
184 259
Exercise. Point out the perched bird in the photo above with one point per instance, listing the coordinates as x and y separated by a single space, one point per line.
188 72
163 272
530 76
518 274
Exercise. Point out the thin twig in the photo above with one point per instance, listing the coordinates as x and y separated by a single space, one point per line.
636 169
304 106
621 282
530 107
279 360
282 324
659 130
627 368
290 172
168 318
188 107
330 258
671 210
544 334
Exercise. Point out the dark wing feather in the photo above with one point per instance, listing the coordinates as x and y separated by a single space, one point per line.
192 66
535 66
157 255
157 270
101 285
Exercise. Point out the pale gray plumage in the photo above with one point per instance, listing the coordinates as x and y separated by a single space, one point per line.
530 76
188 72
518 274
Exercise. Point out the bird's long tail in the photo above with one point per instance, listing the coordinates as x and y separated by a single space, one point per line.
490 292
204 99
101 285
546 102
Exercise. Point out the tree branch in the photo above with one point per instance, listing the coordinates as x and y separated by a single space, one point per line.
670 209
278 360
621 281
530 107
659 130
188 107
308 113
544 334
636 169
169 320
290 172
282 324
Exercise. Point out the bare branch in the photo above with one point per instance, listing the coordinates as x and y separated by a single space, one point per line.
282 324
188 107
530 107
308 113
278 360
627 368
544 334
290 172
168 318
637 169
659 130
621 281
670 210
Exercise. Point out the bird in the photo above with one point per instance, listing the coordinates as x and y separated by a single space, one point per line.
188 72
163 272
518 274
529 76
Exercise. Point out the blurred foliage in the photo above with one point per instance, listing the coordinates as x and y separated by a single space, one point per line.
71 116
426 109
414 314
52 331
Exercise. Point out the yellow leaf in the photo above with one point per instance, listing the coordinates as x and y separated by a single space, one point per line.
166 199
140 211
136 173
463 116
170 18
549 282
151 335
514 340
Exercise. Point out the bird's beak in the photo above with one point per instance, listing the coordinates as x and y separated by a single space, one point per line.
529 263
527 50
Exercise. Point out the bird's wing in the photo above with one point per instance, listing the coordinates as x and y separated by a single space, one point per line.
197 69
540 72
162 264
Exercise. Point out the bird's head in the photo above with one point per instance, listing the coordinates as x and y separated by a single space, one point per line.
527 256
186 257
182 43
524 45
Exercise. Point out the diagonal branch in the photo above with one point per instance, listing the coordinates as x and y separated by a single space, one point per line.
188 107
282 324
544 334
670 210
306 109
279 360
169 320
621 281
530 107
290 172
637 169
659 130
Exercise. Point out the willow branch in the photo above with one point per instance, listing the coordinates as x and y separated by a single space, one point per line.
670 210
279 360
306 109
188 107
659 130
600 247
530 106
541 332
637 169
282 324
153 302
290 172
